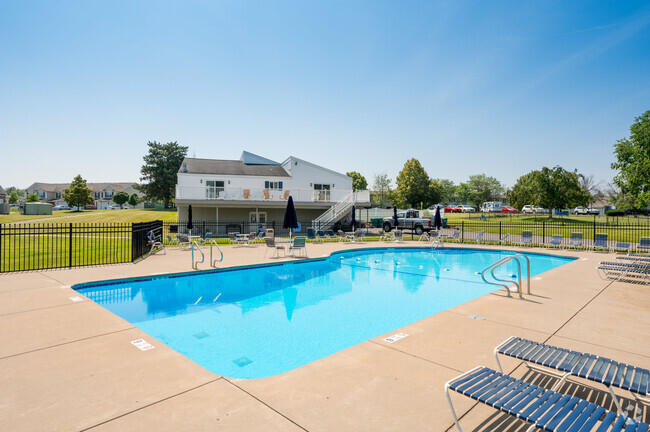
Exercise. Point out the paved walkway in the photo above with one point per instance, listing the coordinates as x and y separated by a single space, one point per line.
70 366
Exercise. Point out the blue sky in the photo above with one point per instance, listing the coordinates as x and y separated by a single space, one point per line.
466 87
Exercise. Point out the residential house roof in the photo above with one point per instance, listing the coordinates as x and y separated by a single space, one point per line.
95 187
231 167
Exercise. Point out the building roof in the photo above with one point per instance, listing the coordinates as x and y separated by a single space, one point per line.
253 159
231 167
95 187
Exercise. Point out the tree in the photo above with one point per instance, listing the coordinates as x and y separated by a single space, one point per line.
448 191
412 185
78 194
13 197
11 189
134 199
160 169
554 188
382 187
32 197
434 195
633 162
481 188
589 184
120 198
358 181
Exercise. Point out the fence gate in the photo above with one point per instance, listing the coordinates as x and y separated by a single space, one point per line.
140 240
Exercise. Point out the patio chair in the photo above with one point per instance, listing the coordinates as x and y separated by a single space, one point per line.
247 193
575 241
555 241
183 240
455 235
624 246
270 244
299 243
504 239
545 409
285 196
233 238
259 237
478 238
398 237
600 242
343 237
320 235
569 363
172 241
330 235
207 238
359 235
267 194
311 234
526 238
644 244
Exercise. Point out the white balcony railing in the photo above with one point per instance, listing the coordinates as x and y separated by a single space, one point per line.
210 193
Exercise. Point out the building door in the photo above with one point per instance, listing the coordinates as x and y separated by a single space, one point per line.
213 188
321 192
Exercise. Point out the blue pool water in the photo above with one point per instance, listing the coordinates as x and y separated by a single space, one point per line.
260 321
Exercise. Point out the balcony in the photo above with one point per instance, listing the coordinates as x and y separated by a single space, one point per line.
211 193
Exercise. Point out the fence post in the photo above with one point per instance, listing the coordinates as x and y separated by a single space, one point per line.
70 247
500 230
543 231
594 237
1 260
462 231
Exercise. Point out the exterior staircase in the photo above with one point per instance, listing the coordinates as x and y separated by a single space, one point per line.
335 213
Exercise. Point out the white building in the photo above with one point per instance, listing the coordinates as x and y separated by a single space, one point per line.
254 190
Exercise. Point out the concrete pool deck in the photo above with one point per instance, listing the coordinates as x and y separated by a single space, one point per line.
70 366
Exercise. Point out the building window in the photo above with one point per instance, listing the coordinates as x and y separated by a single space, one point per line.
98 195
214 189
321 192
108 195
273 185
253 217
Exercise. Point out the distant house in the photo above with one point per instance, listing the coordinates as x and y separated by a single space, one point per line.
254 190
4 202
101 192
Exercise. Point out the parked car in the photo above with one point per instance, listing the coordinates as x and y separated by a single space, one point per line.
114 207
90 207
61 207
508 209
467 209
644 212
527 209
540 210
453 209
491 207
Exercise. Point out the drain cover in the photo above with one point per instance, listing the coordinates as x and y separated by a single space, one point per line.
477 317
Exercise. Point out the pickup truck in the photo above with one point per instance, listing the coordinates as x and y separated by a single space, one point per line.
410 220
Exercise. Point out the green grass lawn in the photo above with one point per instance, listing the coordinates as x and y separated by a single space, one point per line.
94 216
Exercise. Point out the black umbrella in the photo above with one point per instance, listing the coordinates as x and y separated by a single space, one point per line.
353 224
290 218
395 220
190 225
437 220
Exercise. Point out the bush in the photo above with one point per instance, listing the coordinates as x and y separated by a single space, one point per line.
615 213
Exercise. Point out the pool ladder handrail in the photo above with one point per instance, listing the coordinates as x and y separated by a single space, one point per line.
502 261
213 262
195 264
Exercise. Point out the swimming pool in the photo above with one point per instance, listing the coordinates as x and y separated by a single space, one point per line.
260 321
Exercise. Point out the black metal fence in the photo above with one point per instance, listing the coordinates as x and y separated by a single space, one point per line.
223 228
49 246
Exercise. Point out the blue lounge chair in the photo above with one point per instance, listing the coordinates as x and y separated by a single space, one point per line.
455 235
575 241
320 235
504 239
600 242
633 271
644 244
573 363
543 408
479 237
330 235
555 241
311 234
299 244
625 246
526 238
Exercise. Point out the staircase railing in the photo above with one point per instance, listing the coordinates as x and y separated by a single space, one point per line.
334 213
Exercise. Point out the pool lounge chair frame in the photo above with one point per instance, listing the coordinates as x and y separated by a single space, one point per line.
600 242
634 271
575 241
549 359
526 238
555 241
544 408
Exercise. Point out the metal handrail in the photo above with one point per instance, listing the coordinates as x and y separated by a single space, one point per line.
151 235
502 261
213 262
195 264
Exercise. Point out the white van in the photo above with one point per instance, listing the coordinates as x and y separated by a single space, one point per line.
492 206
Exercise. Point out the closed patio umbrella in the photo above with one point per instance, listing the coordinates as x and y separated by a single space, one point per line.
190 225
290 218
437 220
